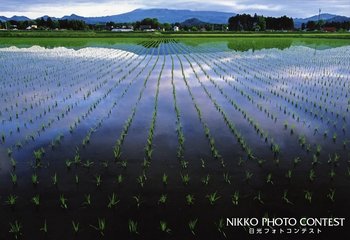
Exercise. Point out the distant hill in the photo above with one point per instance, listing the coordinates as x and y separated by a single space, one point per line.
325 16
75 17
52 18
16 18
193 22
338 19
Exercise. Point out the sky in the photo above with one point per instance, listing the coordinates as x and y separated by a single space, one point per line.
93 8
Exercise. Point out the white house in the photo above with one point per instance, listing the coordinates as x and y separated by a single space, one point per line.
32 27
176 28
122 30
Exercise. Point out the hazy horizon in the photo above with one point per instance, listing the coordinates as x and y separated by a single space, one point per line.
92 8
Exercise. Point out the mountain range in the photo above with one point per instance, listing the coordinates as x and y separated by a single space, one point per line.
172 16
163 15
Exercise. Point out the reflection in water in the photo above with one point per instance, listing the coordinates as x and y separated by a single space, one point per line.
243 45
212 44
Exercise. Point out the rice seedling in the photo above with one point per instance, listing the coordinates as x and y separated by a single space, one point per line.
202 163
205 180
332 174
185 178
87 200
164 227
213 198
285 197
141 179
76 227
318 149
165 179
248 175
16 229
101 226
36 200
138 200
296 161
162 200
76 179
54 179
184 164
11 201
220 227
289 174
68 164
98 180
9 152
35 179
312 175
190 199
302 141
275 149
261 162
146 163
87 164
13 163
258 198
315 160
133 226
334 137
308 196
192 225
227 178
113 201
44 227
240 162
14 178
235 198
105 164
120 179
123 164
63 202
331 195
269 178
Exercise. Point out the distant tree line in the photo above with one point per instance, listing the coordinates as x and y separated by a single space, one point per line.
48 23
320 25
246 22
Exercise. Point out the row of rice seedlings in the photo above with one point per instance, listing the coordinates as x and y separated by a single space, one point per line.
149 146
229 123
214 151
117 150
101 225
179 130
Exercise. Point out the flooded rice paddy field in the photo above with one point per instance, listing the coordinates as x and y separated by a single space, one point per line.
166 138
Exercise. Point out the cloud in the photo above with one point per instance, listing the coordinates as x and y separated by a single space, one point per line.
295 8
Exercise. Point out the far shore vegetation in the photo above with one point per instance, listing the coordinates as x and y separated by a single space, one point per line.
243 25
